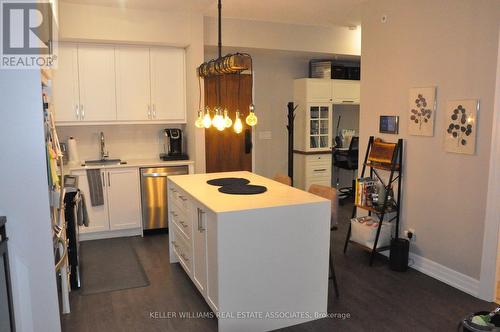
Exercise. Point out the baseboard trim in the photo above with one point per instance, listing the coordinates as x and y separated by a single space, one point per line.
444 274
110 234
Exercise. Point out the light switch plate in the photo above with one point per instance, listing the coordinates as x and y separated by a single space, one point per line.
265 135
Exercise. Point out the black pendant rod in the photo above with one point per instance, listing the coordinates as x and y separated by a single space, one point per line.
219 9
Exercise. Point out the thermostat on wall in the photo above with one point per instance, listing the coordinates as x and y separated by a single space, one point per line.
389 124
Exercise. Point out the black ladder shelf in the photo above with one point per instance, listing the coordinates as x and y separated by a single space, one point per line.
388 157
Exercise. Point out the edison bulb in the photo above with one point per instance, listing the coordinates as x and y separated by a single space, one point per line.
199 120
207 120
218 120
227 120
238 125
251 119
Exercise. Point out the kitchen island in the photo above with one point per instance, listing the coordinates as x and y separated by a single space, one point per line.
260 261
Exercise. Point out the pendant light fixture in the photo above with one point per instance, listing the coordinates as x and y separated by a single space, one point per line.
229 64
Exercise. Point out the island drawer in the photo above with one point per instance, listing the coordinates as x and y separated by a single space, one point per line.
181 219
182 249
179 198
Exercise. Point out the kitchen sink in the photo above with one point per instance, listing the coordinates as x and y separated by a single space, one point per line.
104 162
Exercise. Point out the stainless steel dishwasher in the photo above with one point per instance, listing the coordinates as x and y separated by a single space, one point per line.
154 195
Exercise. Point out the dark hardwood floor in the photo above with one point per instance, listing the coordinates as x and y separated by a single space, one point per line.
371 298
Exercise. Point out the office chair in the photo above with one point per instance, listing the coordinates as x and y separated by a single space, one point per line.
348 160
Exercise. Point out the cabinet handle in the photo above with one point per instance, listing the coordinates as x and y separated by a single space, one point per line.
103 181
320 170
109 180
82 111
200 220
154 111
77 112
347 101
149 111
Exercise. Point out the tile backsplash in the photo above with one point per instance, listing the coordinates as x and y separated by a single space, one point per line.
122 141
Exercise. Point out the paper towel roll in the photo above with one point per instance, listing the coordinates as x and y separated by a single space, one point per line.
73 151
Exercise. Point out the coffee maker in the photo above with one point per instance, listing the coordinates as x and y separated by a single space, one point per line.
173 145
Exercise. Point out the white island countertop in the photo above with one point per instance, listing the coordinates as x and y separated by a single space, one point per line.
277 194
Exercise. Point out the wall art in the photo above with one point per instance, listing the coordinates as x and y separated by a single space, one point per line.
461 126
422 106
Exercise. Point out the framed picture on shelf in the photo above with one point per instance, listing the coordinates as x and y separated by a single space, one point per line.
461 126
422 109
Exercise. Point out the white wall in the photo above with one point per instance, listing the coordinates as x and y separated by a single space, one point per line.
24 200
122 141
282 36
150 27
451 44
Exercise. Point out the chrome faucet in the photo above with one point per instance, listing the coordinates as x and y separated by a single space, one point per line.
104 153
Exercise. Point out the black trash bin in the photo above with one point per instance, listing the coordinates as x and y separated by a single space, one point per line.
398 259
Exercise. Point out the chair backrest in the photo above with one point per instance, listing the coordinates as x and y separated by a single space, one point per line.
285 179
354 143
330 194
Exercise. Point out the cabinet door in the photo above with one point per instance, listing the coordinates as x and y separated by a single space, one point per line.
98 215
346 92
133 83
123 198
319 90
168 87
200 250
96 69
318 128
65 84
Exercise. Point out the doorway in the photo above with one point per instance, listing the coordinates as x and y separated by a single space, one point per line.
226 150
345 125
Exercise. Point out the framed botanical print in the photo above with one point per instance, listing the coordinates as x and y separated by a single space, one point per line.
422 109
461 126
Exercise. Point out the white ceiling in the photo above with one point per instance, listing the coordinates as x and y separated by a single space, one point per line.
309 12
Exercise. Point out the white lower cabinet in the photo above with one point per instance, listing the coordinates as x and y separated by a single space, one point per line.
121 210
194 248
312 169
124 198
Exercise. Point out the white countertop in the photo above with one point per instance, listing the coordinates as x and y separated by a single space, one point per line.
277 194
130 163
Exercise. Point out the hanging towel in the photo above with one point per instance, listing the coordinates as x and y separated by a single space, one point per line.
95 187
82 216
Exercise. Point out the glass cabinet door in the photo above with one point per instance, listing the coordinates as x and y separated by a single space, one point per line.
319 119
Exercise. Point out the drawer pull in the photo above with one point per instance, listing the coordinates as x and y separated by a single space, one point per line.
320 170
347 101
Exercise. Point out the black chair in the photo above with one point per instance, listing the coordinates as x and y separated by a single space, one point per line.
348 160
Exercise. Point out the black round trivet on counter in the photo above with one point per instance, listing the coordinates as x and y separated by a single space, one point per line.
228 181
246 189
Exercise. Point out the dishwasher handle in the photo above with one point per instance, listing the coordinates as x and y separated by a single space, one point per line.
160 175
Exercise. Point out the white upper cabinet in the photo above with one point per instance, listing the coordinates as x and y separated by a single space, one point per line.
319 90
133 84
106 84
345 92
65 83
168 84
96 68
